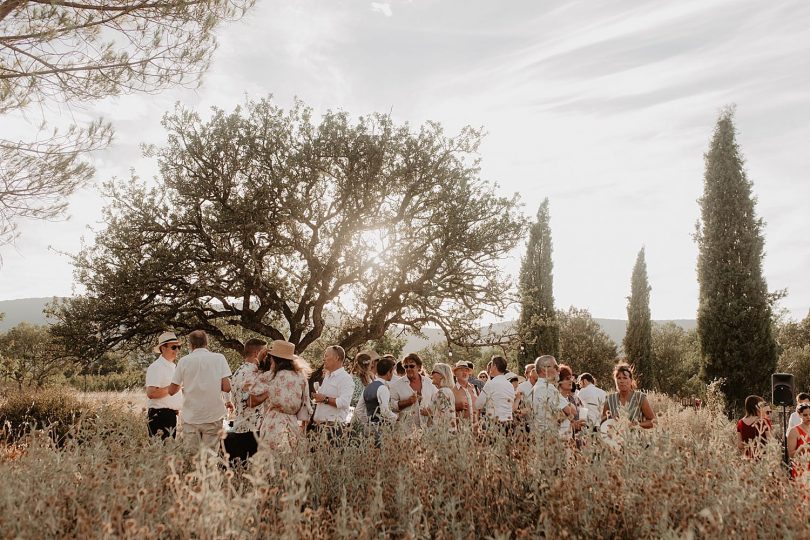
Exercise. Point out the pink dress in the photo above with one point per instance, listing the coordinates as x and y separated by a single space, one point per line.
287 394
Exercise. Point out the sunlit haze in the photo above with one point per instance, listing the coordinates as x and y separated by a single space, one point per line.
606 108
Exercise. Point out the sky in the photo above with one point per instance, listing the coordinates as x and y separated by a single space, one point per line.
606 108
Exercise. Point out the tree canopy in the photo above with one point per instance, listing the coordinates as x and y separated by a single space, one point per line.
638 338
30 356
263 219
734 311
538 325
64 52
585 346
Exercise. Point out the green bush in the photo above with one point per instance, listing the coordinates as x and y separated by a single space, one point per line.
111 382
56 410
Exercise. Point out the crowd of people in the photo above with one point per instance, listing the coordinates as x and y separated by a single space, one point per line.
270 401
755 428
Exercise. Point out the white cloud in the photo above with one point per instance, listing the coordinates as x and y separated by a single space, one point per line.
382 7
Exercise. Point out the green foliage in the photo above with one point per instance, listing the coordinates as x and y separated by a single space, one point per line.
794 343
538 324
56 410
266 221
391 342
479 356
110 382
676 361
734 312
29 356
585 346
796 360
638 338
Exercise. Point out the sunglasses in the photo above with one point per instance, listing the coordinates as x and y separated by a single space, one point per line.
410 366
173 347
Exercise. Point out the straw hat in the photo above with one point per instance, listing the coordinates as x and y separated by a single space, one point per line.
372 355
282 349
460 364
163 339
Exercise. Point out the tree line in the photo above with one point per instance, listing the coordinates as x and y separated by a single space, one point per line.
735 342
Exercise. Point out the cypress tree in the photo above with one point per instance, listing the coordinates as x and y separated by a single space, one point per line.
638 339
734 312
538 320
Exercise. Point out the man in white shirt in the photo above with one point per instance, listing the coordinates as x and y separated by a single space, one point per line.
549 407
335 393
591 397
242 442
498 394
163 408
203 375
412 395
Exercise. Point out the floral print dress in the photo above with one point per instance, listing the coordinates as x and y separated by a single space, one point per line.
287 394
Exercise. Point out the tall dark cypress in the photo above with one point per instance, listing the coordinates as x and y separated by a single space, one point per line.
538 328
638 339
734 313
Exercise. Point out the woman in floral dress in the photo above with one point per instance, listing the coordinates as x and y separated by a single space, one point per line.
281 388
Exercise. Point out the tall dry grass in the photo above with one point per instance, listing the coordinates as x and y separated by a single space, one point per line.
683 480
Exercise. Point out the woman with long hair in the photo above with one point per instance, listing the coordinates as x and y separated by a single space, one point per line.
798 440
569 428
281 388
626 402
754 428
443 408
361 375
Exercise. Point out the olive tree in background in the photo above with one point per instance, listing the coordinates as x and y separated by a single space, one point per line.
266 220
64 52
29 356
585 346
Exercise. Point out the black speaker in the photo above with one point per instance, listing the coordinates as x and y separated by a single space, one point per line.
782 389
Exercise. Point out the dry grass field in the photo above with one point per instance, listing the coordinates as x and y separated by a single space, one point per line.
684 479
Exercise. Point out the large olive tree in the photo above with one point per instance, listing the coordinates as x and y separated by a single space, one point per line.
267 221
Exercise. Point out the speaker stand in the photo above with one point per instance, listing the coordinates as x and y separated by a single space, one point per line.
785 457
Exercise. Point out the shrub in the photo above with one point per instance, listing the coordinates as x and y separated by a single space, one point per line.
684 479
57 410
111 382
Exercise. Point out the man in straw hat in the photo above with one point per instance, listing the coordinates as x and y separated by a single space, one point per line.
163 408
204 377
464 391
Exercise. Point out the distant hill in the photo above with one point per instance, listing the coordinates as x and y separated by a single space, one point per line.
30 310
24 310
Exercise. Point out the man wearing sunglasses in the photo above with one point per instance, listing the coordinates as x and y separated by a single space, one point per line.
412 395
162 407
